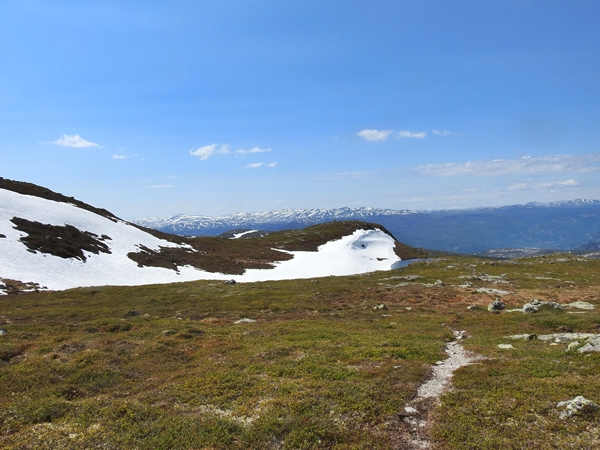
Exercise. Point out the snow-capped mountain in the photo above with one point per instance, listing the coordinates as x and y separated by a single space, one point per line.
194 225
49 241
559 225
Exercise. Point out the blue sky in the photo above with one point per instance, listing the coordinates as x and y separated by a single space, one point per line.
153 108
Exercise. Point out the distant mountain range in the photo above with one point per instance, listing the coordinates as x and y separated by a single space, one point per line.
561 225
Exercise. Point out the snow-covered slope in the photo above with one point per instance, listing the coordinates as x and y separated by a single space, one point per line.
106 262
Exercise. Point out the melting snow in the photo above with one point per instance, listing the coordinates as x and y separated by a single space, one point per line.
363 251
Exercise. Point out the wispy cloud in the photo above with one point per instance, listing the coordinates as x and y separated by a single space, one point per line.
208 150
253 150
161 186
442 132
343 175
75 140
543 185
526 164
382 135
253 165
404 134
271 165
374 135
126 156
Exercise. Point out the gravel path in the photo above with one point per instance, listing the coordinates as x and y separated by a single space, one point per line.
416 414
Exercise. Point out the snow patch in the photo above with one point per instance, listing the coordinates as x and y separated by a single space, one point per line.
361 252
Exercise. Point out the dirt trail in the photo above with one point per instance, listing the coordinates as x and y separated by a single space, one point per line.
415 417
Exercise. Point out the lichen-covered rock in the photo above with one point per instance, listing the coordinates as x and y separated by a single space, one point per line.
529 308
525 337
551 305
592 345
577 406
245 320
536 305
496 306
580 305
573 345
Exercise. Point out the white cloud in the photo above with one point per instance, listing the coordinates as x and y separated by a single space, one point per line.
411 134
74 141
543 185
126 156
254 150
342 175
568 183
161 186
271 165
374 135
208 150
442 132
254 165
526 164
382 135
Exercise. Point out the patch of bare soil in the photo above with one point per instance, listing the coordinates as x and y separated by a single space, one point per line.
62 241
9 286
221 255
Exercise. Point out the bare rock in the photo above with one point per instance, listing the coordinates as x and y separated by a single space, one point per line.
577 406
245 320
496 306
536 305
592 345
580 305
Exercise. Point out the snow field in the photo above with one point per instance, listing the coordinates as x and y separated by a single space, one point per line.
363 251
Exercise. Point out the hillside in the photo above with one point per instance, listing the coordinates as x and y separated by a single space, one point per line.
553 226
48 240
330 363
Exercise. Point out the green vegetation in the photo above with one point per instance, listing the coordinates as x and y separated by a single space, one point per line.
166 366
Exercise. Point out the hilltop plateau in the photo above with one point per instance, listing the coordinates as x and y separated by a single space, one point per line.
326 363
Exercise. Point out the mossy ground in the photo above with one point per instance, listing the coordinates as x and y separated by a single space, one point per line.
165 366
